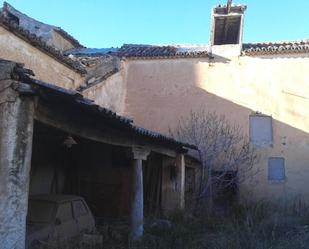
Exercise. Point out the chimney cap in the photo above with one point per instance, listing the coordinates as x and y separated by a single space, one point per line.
230 8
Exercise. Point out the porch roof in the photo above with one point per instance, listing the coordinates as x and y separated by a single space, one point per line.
82 106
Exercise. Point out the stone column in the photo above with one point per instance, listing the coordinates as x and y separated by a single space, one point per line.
180 174
16 131
137 197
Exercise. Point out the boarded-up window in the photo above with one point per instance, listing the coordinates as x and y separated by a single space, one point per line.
261 133
276 169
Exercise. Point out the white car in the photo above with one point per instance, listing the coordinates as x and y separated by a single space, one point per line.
57 217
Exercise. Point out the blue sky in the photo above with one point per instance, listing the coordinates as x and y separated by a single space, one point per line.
110 23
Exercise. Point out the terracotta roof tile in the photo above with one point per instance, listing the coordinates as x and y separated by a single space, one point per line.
284 47
170 51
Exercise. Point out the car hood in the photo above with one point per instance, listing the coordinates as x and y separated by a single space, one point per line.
37 231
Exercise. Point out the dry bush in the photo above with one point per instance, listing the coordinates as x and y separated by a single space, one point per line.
222 148
259 225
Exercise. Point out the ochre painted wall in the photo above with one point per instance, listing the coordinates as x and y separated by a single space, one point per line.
110 93
45 67
159 92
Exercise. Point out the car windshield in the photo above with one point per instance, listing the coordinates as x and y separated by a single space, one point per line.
40 211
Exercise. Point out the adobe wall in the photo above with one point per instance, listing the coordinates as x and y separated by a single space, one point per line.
45 67
109 93
159 92
60 42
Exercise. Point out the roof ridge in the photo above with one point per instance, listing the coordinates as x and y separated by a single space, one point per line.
7 7
165 45
305 40
38 42
279 47
161 51
66 35
144 45
10 9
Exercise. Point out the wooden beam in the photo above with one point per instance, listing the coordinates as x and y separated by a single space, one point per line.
91 129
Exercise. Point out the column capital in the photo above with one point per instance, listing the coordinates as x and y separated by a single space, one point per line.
140 153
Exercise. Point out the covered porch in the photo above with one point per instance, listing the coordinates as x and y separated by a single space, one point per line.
53 140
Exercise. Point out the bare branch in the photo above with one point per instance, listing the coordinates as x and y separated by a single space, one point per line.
222 147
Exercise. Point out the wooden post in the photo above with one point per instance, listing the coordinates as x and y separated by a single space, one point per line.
180 167
16 132
137 197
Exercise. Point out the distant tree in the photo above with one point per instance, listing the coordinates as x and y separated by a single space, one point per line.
222 148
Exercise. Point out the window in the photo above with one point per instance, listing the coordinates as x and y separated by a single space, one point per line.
64 212
261 132
227 30
276 169
79 208
227 26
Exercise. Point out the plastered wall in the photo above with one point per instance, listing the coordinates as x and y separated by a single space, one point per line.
160 92
45 67
110 93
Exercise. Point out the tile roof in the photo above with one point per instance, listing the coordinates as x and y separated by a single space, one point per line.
284 47
69 37
152 51
42 30
40 44
138 51
91 52
72 97
117 121
99 69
